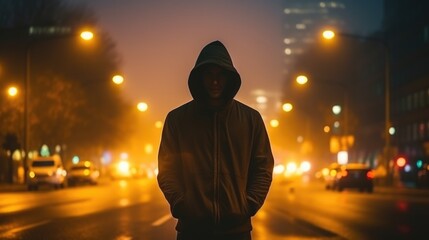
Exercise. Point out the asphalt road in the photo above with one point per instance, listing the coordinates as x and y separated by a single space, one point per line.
136 209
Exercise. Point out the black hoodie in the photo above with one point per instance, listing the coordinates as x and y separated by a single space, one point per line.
215 164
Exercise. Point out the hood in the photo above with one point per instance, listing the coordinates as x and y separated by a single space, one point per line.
214 53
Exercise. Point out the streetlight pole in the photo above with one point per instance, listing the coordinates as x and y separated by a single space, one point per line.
26 97
387 151
60 32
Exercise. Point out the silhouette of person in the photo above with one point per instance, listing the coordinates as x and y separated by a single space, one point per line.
215 160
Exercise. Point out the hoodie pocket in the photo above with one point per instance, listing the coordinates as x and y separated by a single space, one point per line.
178 210
252 206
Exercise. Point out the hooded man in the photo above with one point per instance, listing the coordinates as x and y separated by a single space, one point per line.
215 161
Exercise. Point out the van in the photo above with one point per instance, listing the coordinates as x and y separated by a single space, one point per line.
46 171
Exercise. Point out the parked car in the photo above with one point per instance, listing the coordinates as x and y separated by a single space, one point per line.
328 174
46 171
353 175
83 173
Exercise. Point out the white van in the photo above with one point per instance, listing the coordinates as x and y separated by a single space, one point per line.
46 171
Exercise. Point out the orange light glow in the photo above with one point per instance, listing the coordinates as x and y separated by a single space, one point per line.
401 162
370 174
86 35
328 34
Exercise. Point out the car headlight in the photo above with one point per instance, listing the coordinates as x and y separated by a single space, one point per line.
60 172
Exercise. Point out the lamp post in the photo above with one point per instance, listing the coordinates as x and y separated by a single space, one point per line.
54 33
329 34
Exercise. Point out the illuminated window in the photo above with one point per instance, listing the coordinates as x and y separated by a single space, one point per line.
300 26
288 40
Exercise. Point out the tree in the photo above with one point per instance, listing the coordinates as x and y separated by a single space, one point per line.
10 144
72 101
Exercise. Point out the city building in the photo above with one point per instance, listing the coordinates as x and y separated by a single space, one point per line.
407 33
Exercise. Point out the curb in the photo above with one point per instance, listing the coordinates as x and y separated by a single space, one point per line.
12 188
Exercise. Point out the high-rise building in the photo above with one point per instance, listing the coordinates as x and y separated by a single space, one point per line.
303 22
407 37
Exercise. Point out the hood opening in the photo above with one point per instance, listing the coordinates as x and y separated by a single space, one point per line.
214 53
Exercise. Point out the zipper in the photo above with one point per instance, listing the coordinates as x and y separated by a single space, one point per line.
216 170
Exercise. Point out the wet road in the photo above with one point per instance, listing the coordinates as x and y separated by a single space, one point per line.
136 209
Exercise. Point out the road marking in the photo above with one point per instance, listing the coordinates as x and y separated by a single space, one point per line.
162 220
25 227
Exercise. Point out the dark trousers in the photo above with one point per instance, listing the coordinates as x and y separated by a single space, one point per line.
236 236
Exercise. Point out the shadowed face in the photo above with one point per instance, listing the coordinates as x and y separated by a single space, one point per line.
214 78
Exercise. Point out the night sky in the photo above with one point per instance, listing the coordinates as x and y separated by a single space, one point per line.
159 41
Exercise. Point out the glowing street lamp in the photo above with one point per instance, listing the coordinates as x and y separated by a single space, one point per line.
301 79
326 129
118 79
87 35
12 91
336 109
328 34
142 106
274 123
287 107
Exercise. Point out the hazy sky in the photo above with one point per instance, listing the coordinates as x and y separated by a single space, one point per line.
159 41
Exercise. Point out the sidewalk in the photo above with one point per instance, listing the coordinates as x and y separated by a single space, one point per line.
15 187
21 187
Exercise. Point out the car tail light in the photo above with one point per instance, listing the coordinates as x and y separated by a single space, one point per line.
370 174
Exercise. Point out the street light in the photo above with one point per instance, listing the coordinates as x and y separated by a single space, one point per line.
87 35
118 79
274 123
57 32
329 34
287 107
142 106
12 91
302 79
